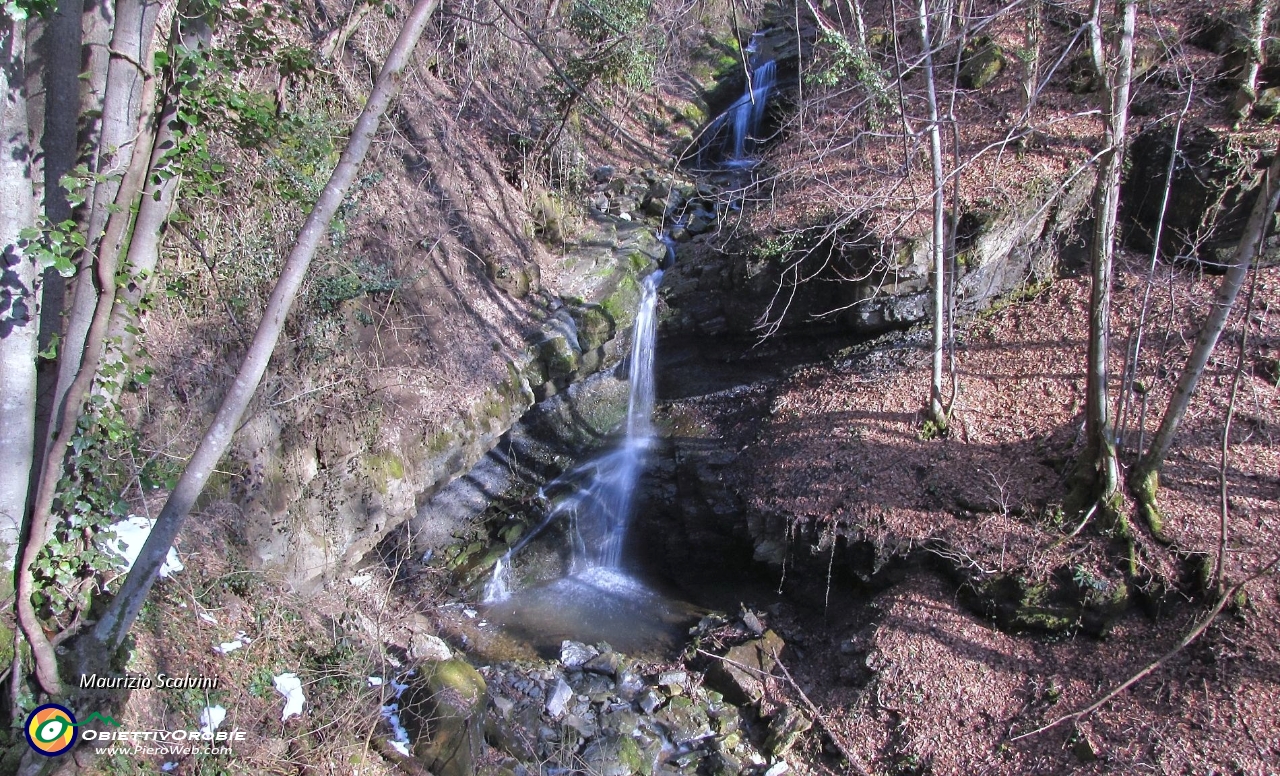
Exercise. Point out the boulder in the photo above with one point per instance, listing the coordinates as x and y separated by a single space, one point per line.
982 66
701 222
425 647
573 654
603 173
451 696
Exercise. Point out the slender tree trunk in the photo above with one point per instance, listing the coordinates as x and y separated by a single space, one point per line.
97 24
109 249
1099 468
113 626
859 24
60 53
19 298
1031 57
132 44
1224 502
1247 94
1144 479
192 33
1097 44
936 411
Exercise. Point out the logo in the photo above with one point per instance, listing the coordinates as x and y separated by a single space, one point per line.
51 729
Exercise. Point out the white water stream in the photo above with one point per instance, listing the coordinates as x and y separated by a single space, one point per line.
598 502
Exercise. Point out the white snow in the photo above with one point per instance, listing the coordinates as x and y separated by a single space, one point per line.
211 717
126 538
239 641
290 687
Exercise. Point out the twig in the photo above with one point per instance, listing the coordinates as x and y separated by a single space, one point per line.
854 761
1194 634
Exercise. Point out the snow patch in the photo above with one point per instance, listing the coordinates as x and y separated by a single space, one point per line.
290 687
126 538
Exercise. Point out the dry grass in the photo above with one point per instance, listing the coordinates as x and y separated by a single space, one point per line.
333 639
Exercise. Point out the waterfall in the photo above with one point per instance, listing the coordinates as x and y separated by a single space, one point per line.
597 506
738 128
748 112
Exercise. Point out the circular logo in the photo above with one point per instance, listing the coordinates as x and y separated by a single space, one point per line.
51 729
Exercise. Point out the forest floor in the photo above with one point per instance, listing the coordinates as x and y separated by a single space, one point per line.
918 683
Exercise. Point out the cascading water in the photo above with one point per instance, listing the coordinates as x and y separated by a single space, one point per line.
748 111
597 505
739 127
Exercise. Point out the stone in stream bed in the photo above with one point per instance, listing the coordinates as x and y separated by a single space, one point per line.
559 698
740 673
785 727
450 735
684 721
620 725
607 663
574 654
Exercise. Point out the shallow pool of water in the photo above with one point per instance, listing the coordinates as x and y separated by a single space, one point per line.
595 605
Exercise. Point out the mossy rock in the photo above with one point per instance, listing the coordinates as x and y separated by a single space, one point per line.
1082 76
558 356
982 66
616 754
880 37
514 276
448 703
1267 106
383 468
785 729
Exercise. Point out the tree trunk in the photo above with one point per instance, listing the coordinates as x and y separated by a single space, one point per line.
1099 468
1247 94
192 33
1144 479
936 412
19 299
105 263
96 647
60 52
132 44
859 24
1031 58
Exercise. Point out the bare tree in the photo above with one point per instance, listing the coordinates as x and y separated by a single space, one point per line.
1099 469
936 412
1144 478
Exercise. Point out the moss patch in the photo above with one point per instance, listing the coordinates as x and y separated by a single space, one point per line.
383 468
